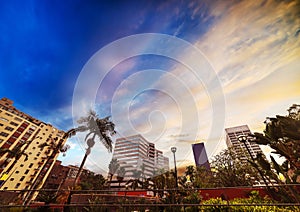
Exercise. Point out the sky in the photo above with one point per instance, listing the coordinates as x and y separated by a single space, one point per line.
176 72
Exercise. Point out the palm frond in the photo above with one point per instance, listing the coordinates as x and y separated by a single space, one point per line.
42 145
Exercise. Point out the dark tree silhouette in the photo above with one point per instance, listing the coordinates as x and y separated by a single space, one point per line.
101 128
282 134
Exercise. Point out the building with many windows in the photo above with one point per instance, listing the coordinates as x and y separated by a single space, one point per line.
135 153
232 135
23 163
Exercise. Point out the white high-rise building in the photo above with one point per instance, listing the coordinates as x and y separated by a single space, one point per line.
136 153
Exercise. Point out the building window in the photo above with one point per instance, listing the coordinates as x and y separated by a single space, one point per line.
9 128
3 119
17 119
5 188
13 123
17 172
22 178
30 165
1 140
8 114
18 184
26 172
4 134
12 179
1 125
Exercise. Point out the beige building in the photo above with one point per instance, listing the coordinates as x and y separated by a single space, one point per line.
23 164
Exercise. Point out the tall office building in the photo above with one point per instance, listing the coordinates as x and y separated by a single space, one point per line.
240 149
23 164
200 155
136 153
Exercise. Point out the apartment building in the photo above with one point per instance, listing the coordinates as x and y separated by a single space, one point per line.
23 164
135 153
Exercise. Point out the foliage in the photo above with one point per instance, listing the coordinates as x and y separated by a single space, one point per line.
47 197
96 127
282 134
121 174
135 182
52 144
228 171
197 177
17 152
91 181
221 205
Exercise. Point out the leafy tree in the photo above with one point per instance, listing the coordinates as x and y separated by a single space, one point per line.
91 181
159 182
282 134
112 168
121 174
135 182
196 177
228 171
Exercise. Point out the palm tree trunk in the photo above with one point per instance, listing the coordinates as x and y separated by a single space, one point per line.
80 169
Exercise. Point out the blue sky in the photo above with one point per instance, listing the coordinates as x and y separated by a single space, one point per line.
251 47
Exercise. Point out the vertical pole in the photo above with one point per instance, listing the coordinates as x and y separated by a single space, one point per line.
176 178
259 171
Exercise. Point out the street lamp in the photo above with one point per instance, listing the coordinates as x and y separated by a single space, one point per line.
173 149
243 139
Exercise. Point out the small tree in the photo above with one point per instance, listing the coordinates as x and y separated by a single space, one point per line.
121 174
112 168
228 171
135 182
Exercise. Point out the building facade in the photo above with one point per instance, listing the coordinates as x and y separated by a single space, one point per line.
232 135
135 153
23 163
200 156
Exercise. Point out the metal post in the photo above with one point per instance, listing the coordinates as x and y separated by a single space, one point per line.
243 139
173 149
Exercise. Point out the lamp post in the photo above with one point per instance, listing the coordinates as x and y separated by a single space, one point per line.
243 139
173 149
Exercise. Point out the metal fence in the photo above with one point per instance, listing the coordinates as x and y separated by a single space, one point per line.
141 200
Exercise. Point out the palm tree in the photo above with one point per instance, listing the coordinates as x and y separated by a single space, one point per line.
17 152
113 167
96 127
135 182
56 147
159 182
121 174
